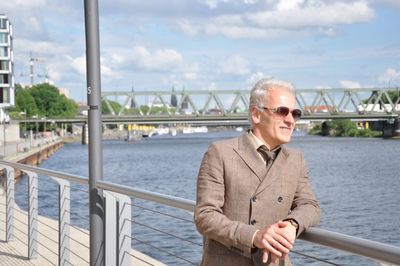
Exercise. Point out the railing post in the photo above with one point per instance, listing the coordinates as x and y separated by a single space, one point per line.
10 202
124 229
110 229
32 214
117 228
63 221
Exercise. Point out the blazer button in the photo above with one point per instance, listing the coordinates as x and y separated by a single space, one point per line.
280 199
253 222
254 199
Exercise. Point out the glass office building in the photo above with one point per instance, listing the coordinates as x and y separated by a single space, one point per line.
6 63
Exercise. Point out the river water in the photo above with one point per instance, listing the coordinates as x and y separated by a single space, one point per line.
357 181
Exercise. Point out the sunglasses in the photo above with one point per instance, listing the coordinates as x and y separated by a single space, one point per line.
283 111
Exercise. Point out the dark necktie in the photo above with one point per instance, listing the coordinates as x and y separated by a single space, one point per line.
268 155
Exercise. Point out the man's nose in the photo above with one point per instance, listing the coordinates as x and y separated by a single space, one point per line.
289 118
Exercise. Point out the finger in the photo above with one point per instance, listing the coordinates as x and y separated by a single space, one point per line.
282 239
273 241
265 256
271 247
282 224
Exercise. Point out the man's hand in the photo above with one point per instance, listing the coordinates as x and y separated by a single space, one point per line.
276 240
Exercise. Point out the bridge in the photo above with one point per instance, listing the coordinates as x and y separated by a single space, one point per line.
230 107
315 103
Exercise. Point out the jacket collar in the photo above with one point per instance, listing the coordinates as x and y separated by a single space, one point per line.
251 158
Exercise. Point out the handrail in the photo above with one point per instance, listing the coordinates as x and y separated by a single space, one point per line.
53 173
359 246
172 201
363 247
356 245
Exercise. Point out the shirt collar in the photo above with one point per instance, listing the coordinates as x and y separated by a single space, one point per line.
257 143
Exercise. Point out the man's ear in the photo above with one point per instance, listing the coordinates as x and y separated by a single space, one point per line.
255 115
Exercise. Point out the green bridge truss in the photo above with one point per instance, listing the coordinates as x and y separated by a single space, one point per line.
315 103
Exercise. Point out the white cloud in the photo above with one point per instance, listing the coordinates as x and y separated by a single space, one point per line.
236 65
213 4
350 84
313 16
254 78
191 72
212 86
391 77
163 59
288 17
288 4
78 63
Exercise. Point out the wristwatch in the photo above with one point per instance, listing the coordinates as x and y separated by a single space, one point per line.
293 222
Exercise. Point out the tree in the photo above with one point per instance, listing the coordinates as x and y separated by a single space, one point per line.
24 102
114 105
51 103
394 96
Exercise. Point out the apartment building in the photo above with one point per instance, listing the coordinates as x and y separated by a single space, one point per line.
6 63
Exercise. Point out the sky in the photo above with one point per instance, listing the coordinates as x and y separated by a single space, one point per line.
210 44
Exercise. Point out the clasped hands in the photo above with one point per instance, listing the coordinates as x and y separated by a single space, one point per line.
275 240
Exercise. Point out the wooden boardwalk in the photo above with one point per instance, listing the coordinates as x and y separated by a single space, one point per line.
15 252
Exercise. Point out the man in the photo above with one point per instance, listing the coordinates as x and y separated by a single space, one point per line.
253 193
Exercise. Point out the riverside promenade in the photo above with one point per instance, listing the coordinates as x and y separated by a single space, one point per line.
15 251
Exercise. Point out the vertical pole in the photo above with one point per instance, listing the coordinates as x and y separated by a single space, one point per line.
10 178
32 214
96 204
63 221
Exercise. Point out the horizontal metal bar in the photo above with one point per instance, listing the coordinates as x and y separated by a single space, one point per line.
47 172
367 248
219 92
147 195
359 246
227 119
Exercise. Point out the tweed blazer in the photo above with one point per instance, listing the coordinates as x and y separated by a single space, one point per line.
236 195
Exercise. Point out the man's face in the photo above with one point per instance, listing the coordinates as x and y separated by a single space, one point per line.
272 128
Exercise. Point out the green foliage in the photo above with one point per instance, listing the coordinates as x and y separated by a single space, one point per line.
132 111
24 102
394 96
316 130
344 128
145 109
114 105
43 100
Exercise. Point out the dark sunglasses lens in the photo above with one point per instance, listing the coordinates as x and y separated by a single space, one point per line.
282 110
296 113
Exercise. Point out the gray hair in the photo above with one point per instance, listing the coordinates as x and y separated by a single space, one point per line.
258 94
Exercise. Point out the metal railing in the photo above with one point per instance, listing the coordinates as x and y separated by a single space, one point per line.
118 220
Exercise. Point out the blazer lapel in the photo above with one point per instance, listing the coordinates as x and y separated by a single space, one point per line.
274 172
250 157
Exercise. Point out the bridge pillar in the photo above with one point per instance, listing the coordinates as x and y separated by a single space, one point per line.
85 134
325 128
391 129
